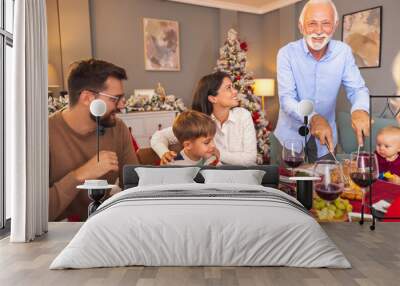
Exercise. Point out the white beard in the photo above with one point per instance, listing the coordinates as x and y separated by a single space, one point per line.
317 46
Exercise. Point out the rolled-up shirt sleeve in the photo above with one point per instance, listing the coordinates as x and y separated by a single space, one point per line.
248 156
287 86
161 139
354 84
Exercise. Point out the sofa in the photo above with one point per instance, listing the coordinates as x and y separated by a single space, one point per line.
347 139
147 156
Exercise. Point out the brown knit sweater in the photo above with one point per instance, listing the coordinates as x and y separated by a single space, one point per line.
69 151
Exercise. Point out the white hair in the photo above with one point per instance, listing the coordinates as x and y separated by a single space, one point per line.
310 2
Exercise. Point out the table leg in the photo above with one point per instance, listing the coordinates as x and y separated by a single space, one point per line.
96 195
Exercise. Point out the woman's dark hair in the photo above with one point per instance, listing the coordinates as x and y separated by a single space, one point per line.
91 75
208 85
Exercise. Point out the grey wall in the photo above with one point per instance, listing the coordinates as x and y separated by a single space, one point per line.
227 19
53 39
74 32
378 80
250 30
279 28
117 36
69 36
287 25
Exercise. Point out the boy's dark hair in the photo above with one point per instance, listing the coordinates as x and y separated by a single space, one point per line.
91 75
191 124
208 85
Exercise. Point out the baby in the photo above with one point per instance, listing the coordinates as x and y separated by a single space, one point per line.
195 131
387 152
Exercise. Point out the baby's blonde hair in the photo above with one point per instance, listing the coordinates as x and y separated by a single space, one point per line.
389 129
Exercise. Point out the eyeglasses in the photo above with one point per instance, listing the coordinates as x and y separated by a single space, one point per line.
113 98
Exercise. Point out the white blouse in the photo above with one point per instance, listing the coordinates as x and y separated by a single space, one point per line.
235 139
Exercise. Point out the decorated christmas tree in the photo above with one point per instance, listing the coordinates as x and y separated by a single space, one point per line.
233 60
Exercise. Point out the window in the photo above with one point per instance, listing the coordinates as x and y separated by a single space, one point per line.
6 63
9 16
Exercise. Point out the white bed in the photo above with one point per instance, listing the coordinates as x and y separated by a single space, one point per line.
198 225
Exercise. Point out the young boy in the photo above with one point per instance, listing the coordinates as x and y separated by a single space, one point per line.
388 151
195 131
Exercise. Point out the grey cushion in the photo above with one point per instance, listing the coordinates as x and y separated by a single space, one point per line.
248 177
347 138
270 179
166 176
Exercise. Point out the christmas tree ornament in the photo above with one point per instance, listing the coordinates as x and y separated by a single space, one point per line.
233 60
160 91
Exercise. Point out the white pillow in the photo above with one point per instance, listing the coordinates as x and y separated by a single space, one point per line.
248 177
166 176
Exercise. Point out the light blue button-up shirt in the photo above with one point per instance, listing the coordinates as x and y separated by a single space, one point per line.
301 76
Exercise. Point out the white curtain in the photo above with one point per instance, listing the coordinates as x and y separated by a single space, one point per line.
27 167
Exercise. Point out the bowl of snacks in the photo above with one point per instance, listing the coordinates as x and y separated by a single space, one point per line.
351 190
336 210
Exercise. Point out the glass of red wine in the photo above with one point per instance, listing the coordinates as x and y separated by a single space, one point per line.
293 153
364 170
331 183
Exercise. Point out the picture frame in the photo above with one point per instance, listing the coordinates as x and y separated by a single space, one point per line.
161 45
362 31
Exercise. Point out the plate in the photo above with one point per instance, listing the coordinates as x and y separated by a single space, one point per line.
344 218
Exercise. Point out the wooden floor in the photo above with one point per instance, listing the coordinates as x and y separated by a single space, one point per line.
375 257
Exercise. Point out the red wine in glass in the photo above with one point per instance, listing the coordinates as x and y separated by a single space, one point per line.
293 153
328 192
293 162
363 180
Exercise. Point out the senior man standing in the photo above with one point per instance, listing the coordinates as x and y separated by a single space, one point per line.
314 68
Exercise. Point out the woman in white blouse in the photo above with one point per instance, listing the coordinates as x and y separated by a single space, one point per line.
235 138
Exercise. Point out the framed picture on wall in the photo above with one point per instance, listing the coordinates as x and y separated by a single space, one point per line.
161 45
362 31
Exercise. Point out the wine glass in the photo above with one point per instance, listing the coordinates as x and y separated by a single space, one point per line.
364 171
293 153
331 183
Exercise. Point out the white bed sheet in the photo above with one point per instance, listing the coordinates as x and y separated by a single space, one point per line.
193 231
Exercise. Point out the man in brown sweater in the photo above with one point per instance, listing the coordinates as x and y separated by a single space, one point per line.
72 138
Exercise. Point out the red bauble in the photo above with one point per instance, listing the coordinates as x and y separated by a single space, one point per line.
256 116
243 46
